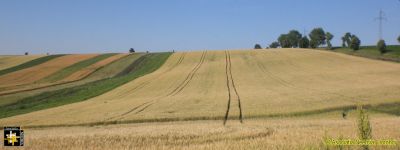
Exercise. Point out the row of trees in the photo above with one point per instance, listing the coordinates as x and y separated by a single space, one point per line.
318 37
295 39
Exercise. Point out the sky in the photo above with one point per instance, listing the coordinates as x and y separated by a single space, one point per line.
98 26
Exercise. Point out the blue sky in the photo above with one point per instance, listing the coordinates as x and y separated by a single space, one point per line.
88 26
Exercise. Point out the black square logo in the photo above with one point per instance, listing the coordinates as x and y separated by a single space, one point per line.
13 136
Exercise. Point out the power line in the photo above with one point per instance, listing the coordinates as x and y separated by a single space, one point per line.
380 18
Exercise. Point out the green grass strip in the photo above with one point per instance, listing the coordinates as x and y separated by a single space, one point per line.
29 64
148 64
392 54
63 73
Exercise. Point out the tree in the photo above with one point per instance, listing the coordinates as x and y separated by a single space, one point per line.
274 45
26 53
304 42
355 43
284 41
313 44
381 46
329 37
343 42
257 46
131 50
317 37
294 37
347 37
398 39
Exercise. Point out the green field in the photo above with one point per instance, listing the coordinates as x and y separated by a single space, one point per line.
393 53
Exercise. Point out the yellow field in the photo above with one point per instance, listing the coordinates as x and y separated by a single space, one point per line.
197 86
11 61
284 133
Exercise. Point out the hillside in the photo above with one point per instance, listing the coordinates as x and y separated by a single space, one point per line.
212 85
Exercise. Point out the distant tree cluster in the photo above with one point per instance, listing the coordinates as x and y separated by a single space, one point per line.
351 41
290 40
295 39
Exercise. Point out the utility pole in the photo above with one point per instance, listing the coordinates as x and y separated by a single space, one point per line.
304 32
380 18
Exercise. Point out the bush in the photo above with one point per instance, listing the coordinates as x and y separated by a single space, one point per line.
381 46
355 43
364 126
257 46
274 45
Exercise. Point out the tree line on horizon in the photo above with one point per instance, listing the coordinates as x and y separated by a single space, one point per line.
318 37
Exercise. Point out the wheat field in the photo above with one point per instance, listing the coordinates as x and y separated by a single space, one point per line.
254 84
277 133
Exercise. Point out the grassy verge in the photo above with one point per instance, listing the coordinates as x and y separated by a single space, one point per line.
150 63
393 53
73 68
29 64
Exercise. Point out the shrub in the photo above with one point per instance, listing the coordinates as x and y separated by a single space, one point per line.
381 46
257 46
364 126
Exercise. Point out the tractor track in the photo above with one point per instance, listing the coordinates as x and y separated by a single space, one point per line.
229 79
142 85
181 86
189 77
